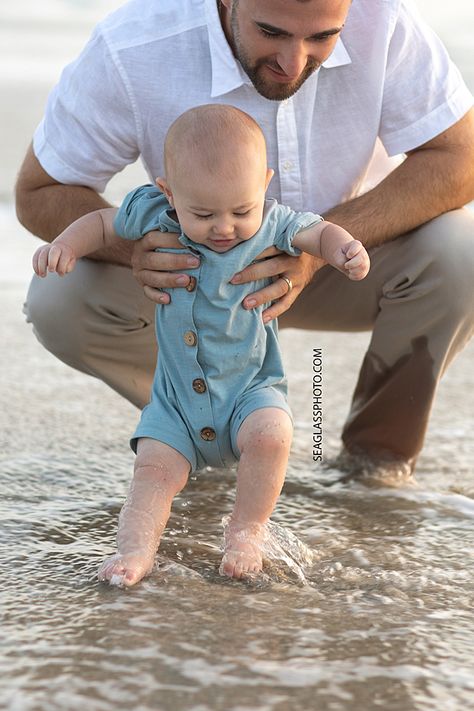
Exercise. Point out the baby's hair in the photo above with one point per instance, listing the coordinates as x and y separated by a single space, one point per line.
215 135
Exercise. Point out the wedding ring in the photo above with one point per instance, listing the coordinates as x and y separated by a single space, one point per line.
288 281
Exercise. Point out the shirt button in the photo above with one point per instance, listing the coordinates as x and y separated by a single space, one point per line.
287 165
199 386
190 338
208 434
192 284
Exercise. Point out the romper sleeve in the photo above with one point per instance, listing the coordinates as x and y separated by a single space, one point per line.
143 210
288 223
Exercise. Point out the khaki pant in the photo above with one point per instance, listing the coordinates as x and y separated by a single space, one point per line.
418 300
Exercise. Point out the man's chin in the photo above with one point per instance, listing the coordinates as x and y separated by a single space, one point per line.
277 91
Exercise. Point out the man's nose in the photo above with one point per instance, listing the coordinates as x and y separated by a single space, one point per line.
293 59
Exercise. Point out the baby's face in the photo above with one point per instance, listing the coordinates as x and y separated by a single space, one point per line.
220 212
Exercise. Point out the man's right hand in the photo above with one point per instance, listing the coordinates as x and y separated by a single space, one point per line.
156 270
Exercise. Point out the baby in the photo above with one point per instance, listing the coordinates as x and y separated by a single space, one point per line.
219 392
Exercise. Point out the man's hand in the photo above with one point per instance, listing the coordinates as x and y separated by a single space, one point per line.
299 270
155 270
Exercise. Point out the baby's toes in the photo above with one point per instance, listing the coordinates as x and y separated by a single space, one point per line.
124 570
111 567
236 564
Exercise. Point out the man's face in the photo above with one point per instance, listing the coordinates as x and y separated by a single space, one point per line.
280 43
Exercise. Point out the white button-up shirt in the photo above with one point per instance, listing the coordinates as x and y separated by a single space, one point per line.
388 84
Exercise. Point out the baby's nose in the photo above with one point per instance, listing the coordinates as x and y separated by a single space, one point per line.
224 227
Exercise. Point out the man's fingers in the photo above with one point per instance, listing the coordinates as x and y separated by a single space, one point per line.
269 252
298 270
157 270
279 307
159 297
260 270
163 261
153 240
276 290
161 280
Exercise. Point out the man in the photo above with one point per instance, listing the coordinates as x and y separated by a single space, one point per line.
329 82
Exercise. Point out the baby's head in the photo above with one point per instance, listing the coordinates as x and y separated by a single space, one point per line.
216 175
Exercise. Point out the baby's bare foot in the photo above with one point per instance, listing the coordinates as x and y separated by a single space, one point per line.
124 570
242 550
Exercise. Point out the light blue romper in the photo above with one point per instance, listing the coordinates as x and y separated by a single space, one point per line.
217 362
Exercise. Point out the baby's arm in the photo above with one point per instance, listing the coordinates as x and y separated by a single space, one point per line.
86 235
336 246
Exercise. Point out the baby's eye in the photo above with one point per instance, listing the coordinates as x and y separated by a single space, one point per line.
202 217
242 214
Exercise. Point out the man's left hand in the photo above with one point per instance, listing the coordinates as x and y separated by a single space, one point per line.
297 273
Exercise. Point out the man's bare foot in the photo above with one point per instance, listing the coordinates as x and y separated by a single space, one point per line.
125 570
373 471
242 549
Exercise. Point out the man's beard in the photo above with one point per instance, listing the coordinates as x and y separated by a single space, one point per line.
270 90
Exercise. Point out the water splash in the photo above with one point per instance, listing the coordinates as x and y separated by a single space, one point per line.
286 557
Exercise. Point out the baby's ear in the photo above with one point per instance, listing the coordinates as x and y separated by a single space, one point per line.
165 188
270 174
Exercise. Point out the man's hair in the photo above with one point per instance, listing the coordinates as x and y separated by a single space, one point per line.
213 134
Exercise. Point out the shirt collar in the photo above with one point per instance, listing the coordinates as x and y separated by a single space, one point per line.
338 57
227 73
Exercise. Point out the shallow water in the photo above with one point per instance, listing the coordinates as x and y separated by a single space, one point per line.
382 618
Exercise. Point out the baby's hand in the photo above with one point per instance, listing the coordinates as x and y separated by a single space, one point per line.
56 257
357 263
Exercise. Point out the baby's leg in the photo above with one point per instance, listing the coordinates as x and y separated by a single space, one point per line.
264 440
160 473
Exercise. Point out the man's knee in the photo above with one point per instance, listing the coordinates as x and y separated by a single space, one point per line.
446 245
54 309
435 262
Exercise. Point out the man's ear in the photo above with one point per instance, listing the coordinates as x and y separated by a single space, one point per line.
165 189
270 174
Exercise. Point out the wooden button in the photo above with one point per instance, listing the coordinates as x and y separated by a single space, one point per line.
192 284
199 386
208 434
190 338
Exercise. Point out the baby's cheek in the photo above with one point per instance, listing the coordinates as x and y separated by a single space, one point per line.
250 229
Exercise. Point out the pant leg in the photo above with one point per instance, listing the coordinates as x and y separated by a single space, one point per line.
418 299
97 320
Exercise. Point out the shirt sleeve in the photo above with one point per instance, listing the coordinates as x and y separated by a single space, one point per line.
141 212
89 131
424 93
288 224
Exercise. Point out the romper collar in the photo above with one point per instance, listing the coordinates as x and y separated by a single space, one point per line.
227 73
